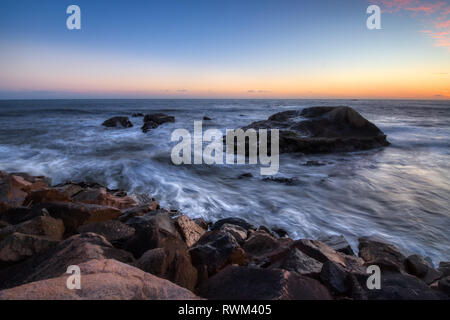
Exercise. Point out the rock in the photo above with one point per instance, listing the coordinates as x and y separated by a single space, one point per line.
245 176
54 261
172 263
338 243
159 118
147 126
239 233
313 163
152 231
397 286
44 226
18 246
444 285
114 231
421 268
152 121
76 214
14 188
323 253
259 244
137 115
20 214
189 230
444 267
297 261
247 283
202 223
323 130
280 232
138 211
123 122
101 280
378 252
335 277
104 197
3 224
283 180
46 195
236 221
215 250
205 118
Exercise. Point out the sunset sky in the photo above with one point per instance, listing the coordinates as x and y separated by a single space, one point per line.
225 49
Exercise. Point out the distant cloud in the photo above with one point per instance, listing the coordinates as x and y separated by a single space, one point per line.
181 90
434 14
258 91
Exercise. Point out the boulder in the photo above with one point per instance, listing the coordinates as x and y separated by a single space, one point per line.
94 193
239 233
444 267
236 221
444 285
247 283
338 243
113 122
152 121
54 261
152 231
215 250
104 279
137 115
205 118
297 261
335 277
138 211
39 226
397 286
259 244
377 251
45 195
323 130
14 188
202 223
172 263
114 231
76 214
189 230
418 266
323 253
18 246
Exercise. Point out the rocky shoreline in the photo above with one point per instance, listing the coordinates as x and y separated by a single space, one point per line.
128 247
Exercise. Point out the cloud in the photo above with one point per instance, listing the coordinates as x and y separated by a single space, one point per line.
434 14
181 90
258 91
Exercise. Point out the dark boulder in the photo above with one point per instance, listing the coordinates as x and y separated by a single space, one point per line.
152 121
297 261
247 283
171 262
323 130
236 221
114 231
123 122
338 243
205 118
377 251
215 250
335 278
421 268
44 226
152 231
444 285
137 115
444 267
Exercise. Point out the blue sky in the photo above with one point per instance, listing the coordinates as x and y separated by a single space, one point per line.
216 49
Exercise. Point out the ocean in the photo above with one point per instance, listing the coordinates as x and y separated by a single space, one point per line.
400 193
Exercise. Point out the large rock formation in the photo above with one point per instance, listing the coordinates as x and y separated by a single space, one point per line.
101 280
123 122
323 130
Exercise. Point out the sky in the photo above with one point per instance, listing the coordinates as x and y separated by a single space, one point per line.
225 49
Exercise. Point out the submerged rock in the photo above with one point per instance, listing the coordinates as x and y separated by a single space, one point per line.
123 122
323 130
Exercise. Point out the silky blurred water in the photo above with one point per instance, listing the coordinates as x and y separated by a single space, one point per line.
400 192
